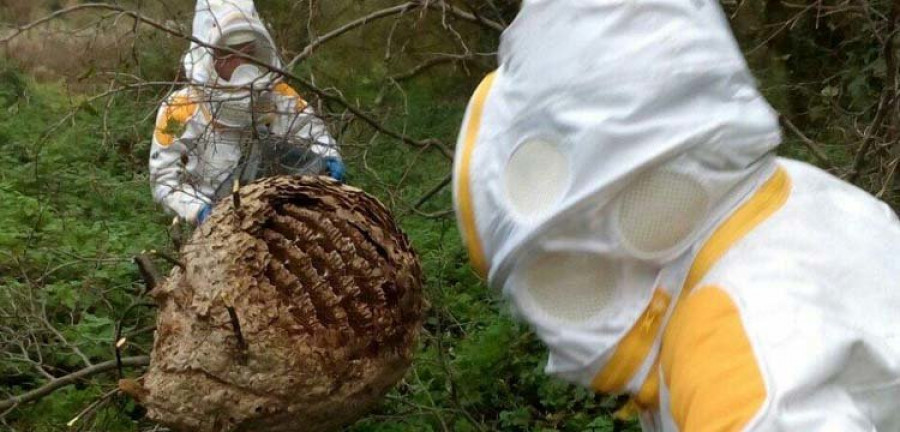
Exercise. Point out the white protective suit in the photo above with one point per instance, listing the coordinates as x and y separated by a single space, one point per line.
615 178
204 130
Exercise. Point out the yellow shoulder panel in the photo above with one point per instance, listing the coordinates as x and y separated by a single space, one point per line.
709 367
178 110
283 89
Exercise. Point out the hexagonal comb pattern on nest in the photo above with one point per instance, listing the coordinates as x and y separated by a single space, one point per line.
327 291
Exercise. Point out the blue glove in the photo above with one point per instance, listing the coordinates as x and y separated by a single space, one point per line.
203 214
336 168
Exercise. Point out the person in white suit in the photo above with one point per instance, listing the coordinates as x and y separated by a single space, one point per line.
615 179
205 131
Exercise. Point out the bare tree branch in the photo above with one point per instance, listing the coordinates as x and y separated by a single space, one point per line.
434 191
428 64
889 180
71 378
44 20
93 406
307 51
148 270
62 338
814 147
426 143
459 13
888 95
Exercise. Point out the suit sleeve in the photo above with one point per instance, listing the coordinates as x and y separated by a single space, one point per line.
715 381
297 118
171 153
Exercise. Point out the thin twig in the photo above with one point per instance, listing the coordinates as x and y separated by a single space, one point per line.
889 181
434 191
459 13
428 64
168 258
374 124
73 347
176 233
236 196
787 24
888 96
315 43
236 325
814 147
93 406
72 378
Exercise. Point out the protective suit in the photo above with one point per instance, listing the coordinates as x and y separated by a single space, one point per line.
615 179
208 134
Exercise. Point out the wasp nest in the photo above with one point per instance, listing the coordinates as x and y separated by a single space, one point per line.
296 310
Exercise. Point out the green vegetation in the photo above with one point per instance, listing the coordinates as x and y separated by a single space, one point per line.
80 207
75 206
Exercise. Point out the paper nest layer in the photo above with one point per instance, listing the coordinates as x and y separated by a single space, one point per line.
327 293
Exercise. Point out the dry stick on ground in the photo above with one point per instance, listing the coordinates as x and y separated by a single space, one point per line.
434 191
425 143
434 215
814 147
72 378
428 64
92 407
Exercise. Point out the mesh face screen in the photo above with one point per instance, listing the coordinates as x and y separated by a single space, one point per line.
660 210
569 287
536 177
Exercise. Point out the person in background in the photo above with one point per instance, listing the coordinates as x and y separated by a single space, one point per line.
615 178
204 132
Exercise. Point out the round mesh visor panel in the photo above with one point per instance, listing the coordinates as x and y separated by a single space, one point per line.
567 286
536 177
659 211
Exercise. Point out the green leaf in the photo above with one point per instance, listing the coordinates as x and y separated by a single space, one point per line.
830 91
